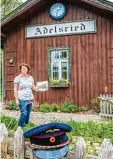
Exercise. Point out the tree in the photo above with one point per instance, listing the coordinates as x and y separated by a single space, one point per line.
9 5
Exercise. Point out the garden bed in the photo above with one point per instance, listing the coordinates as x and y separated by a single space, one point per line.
92 132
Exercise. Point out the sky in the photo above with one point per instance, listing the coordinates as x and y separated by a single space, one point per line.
107 0
110 0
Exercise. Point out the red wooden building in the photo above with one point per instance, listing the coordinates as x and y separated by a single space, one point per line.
61 41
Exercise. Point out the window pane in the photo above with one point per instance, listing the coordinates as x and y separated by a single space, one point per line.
55 70
64 75
63 54
59 62
55 54
55 66
64 65
55 75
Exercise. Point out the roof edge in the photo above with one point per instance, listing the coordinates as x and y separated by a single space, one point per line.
102 4
19 10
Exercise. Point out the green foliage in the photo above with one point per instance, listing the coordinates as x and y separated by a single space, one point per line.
69 107
28 126
45 108
11 123
9 5
92 130
95 104
62 82
12 105
54 107
83 109
49 108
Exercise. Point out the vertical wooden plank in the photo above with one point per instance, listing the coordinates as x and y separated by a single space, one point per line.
79 58
19 144
106 150
89 55
103 51
111 51
99 46
108 60
80 149
3 141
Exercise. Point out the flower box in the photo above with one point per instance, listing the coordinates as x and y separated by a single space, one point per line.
58 83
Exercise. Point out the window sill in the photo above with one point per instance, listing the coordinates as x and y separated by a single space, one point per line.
59 86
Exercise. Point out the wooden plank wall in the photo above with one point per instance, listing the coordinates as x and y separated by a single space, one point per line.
90 71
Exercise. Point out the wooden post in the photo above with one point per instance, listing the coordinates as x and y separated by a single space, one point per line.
80 149
3 141
106 150
19 144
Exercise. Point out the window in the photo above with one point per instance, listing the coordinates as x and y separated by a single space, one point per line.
59 65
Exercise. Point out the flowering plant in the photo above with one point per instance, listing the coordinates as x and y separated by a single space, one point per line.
59 83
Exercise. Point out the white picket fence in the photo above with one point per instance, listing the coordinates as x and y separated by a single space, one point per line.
105 152
106 106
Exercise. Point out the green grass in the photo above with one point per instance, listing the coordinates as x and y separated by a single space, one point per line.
12 124
92 132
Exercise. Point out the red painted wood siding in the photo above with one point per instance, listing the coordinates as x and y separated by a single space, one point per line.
89 57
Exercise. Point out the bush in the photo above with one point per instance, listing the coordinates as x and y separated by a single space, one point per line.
12 105
95 104
54 107
69 107
45 108
83 109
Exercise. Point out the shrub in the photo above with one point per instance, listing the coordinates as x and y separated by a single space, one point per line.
69 107
95 104
12 105
83 109
54 107
45 108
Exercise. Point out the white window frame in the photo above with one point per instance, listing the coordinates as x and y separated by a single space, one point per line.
59 61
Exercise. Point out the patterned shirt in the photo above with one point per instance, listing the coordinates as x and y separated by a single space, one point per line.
25 87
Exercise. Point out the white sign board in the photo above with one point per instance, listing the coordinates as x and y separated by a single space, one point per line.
66 28
42 86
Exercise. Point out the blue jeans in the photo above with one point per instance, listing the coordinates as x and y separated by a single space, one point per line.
25 110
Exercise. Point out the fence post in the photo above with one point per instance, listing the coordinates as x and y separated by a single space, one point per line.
3 141
19 144
80 149
106 150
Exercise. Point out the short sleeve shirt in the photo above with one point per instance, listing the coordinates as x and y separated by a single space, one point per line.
25 87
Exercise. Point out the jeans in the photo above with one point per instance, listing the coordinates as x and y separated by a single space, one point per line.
25 110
